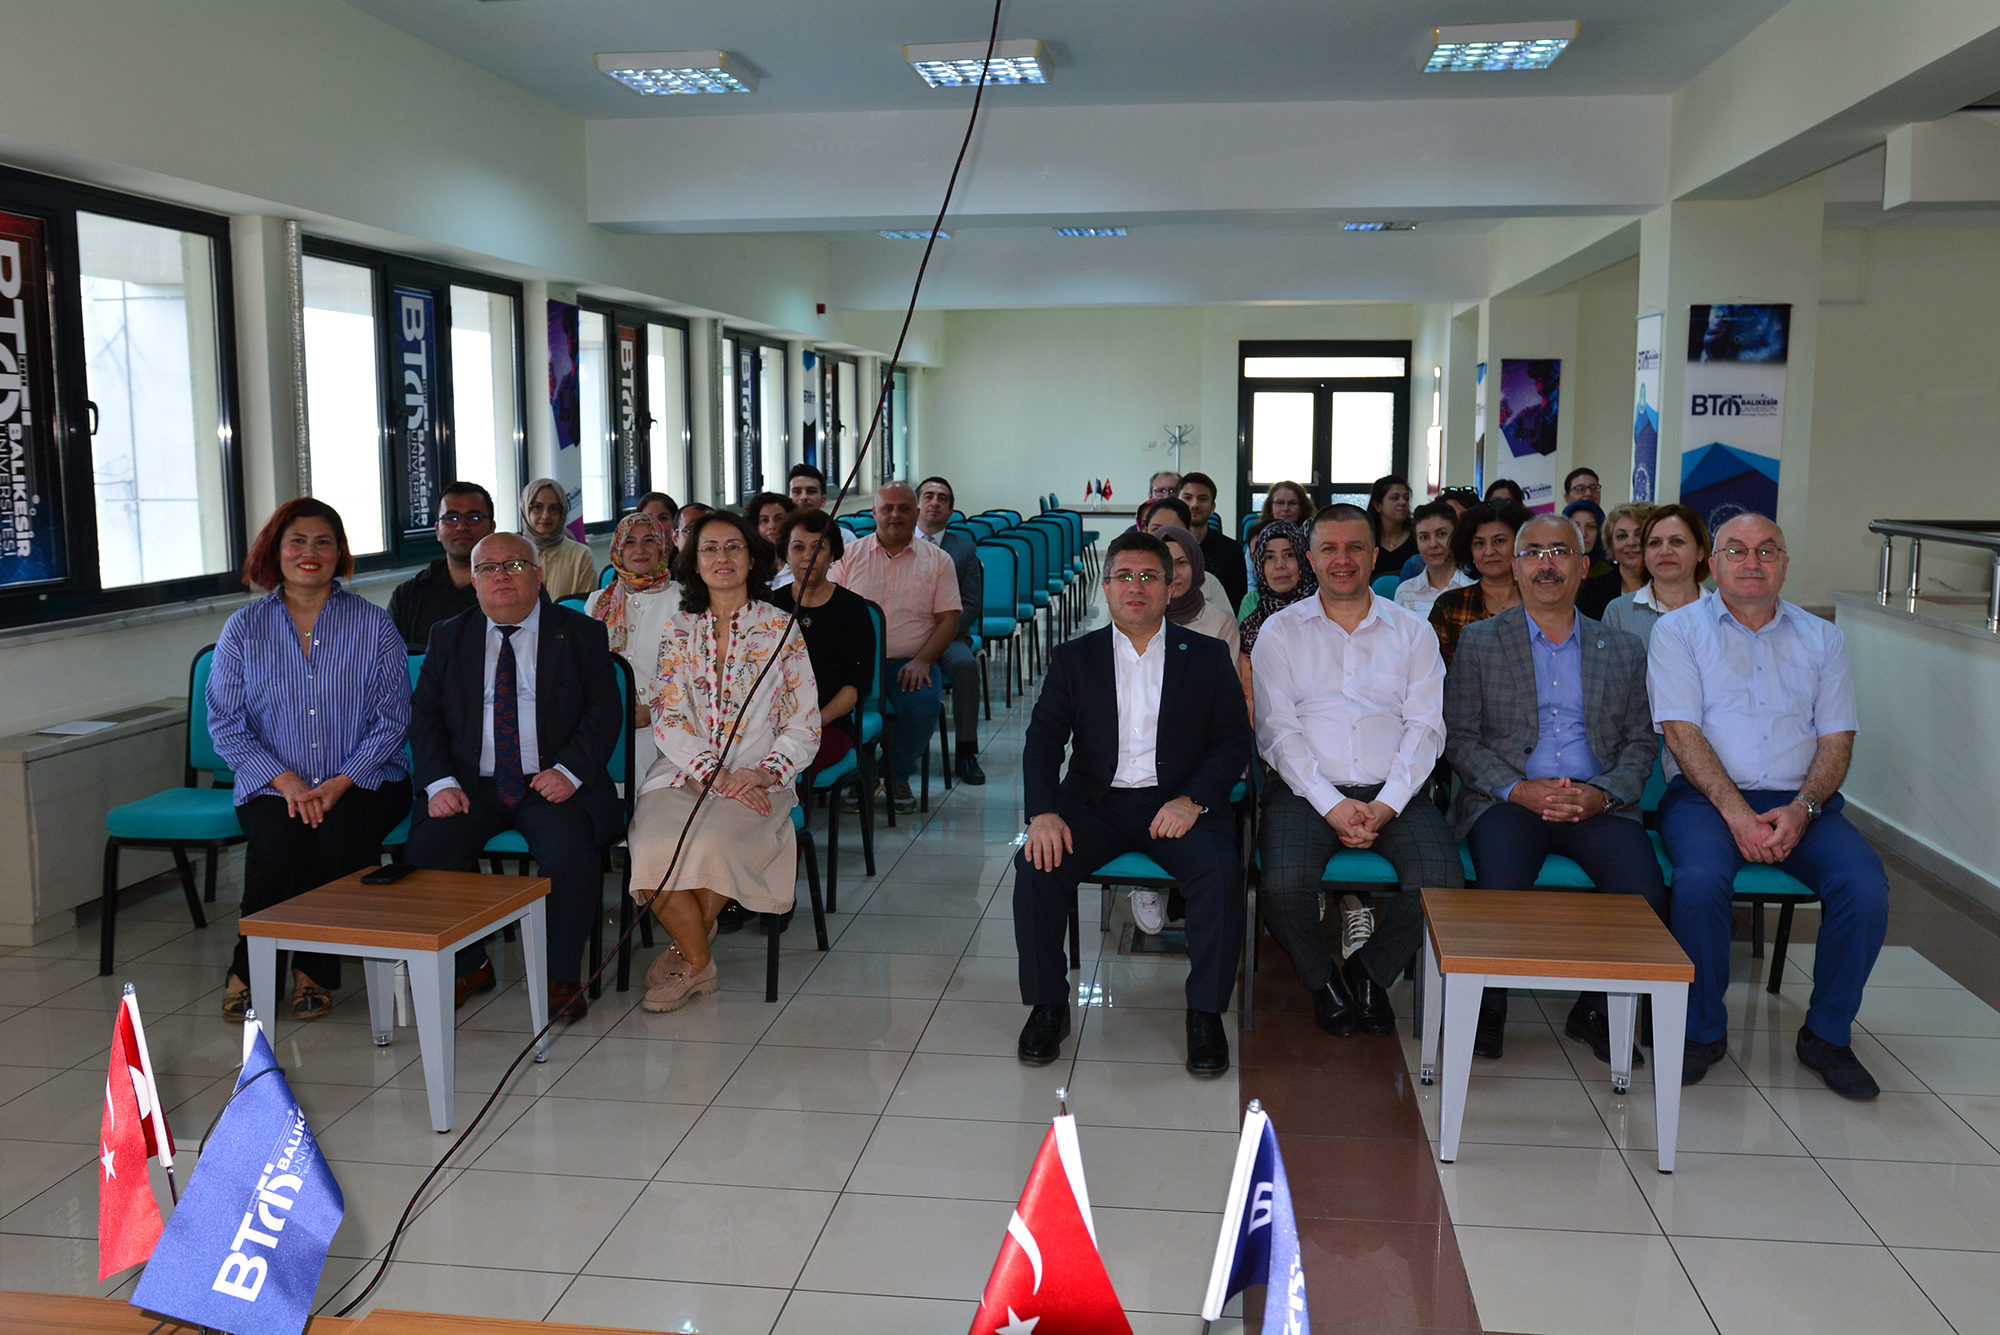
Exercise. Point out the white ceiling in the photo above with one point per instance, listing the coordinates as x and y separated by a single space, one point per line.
846 55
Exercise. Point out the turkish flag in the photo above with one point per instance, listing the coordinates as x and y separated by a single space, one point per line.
1049 1279
128 1215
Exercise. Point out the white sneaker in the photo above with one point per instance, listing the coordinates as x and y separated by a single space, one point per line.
1149 911
1357 924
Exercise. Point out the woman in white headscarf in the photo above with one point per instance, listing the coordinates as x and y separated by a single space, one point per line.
568 568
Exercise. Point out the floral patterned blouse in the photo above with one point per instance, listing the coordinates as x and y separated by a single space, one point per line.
695 699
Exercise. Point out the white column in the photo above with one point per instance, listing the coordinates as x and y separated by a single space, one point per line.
266 439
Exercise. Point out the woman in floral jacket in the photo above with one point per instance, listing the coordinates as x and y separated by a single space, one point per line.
740 846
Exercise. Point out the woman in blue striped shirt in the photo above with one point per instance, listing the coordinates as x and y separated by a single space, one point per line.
308 702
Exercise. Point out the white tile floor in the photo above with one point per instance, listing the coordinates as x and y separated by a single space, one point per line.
1791 1209
844 1160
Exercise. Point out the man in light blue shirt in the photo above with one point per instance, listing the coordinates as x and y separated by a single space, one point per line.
1546 722
1754 696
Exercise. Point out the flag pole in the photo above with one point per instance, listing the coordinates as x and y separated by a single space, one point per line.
165 1138
1062 1099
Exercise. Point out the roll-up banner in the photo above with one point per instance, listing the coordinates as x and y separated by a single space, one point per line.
1479 428
809 444
565 408
31 517
1736 409
1530 404
1646 407
416 433
631 485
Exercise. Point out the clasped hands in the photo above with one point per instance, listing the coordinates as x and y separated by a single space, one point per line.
1771 837
1559 799
1049 837
309 804
550 783
1357 822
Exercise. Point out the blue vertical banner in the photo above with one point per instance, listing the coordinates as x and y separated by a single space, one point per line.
1530 409
31 515
1646 372
419 455
1735 427
631 477
1479 428
565 408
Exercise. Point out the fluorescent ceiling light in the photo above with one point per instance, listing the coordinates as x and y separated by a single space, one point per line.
1406 226
665 72
957 64
1090 231
1498 46
903 234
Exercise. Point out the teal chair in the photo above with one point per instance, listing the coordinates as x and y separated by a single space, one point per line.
176 819
998 619
805 845
573 604
1249 522
1385 585
604 580
846 771
876 712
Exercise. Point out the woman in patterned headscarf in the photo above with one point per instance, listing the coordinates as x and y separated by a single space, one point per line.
634 608
1284 576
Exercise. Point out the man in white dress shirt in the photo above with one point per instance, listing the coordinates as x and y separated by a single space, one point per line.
1754 696
1350 722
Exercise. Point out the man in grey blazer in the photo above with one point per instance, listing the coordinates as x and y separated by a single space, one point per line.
1548 726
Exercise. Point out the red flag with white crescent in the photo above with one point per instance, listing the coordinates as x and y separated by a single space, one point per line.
1049 1278
128 1215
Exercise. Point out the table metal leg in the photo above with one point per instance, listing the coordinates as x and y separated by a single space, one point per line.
1624 1008
1669 1027
1430 1013
1461 1020
381 978
431 988
264 981
535 953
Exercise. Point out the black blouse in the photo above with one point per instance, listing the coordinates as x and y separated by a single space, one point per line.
840 640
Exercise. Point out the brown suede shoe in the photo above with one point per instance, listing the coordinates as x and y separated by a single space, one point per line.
567 1001
479 980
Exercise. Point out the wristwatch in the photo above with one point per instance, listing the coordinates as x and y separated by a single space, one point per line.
1813 809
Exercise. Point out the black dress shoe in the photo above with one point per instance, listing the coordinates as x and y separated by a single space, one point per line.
1489 1039
1208 1044
479 980
1042 1035
1843 1072
775 926
1696 1058
730 919
1372 1010
1592 1026
968 768
1333 1008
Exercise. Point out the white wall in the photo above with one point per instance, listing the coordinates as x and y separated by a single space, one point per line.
1607 344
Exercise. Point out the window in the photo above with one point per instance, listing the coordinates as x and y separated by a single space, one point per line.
593 435
119 482
732 427
157 454
343 398
486 438
773 430
668 439
1331 416
895 440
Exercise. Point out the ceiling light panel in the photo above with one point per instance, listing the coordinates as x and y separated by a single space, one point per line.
957 64
1090 231
669 72
903 234
1403 226
1483 47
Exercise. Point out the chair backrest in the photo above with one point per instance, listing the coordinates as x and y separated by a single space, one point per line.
1656 787
573 604
1014 515
1001 587
1024 568
1060 531
958 516
876 694
620 764
1385 585
983 527
201 752
610 573
1250 522
1037 547
1002 520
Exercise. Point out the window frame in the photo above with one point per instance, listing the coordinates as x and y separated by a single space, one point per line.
389 270
82 593
1322 388
750 456
647 414
639 318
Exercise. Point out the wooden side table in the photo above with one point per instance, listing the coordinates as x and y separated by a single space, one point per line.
23 1313
1476 939
420 920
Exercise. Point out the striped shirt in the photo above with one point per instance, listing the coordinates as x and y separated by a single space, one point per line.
344 710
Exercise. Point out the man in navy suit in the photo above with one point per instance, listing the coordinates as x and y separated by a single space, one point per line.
1154 717
515 715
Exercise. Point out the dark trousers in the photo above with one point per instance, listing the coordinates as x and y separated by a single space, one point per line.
1295 841
1508 844
559 839
1203 861
916 718
961 669
1832 857
286 857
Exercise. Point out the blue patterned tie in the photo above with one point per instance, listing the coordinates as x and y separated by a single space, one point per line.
507 725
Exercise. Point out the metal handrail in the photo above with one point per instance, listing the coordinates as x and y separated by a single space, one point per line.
1977 533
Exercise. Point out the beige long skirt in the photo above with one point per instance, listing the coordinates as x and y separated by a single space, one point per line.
731 849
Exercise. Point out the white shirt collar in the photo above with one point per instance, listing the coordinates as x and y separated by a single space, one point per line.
1375 603
1157 642
532 623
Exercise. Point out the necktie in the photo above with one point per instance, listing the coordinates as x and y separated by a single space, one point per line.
507 724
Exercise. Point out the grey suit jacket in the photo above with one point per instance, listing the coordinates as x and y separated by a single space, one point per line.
964 554
1490 719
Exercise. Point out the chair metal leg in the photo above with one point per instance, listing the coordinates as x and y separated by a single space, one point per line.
107 913
986 683
833 836
944 746
208 875
186 869
625 908
770 921
812 889
1756 929
867 831
1778 946
597 931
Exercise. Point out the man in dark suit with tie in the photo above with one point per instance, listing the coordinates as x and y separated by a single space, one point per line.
1154 717
1548 725
515 715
